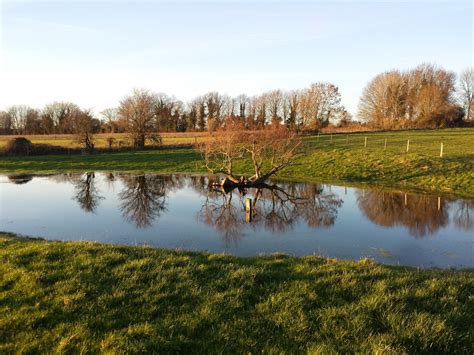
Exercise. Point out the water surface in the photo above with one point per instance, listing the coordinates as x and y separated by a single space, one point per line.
180 211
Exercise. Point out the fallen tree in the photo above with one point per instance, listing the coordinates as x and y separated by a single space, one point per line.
268 151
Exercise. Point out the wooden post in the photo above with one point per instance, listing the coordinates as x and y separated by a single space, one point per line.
406 200
385 145
331 138
248 210
408 145
441 151
345 190
365 142
439 203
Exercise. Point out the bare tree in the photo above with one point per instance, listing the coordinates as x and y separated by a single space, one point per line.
138 109
269 151
294 107
82 123
57 117
111 116
466 91
18 115
320 104
275 105
419 97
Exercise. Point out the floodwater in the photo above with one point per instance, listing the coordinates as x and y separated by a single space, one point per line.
180 211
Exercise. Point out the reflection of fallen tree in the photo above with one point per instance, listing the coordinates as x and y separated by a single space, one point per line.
419 213
143 198
86 193
277 208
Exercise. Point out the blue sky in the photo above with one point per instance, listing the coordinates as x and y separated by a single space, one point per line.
95 52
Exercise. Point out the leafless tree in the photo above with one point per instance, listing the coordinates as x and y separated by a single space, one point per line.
57 117
138 109
275 105
111 116
18 115
320 104
82 123
420 97
269 151
466 92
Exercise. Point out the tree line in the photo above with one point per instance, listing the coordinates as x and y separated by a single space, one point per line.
426 96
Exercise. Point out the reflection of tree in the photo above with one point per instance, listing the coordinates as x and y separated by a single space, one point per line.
86 193
143 198
464 214
275 207
219 211
420 213
20 178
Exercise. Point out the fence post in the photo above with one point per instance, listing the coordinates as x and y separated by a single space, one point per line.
406 200
408 145
385 145
248 210
439 203
331 138
441 151
365 142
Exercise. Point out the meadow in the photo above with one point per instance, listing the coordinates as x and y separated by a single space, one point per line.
90 297
356 158
86 297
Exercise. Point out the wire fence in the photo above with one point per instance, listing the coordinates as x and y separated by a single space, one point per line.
427 144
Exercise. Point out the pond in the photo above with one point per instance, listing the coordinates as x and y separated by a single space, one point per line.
181 211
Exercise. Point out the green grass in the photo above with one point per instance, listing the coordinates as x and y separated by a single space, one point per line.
348 161
82 296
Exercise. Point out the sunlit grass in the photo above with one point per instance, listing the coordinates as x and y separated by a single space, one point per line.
100 140
345 159
82 296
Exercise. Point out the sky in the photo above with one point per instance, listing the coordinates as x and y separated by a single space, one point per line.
93 53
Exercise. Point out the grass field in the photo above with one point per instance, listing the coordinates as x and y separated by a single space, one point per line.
81 296
100 140
340 158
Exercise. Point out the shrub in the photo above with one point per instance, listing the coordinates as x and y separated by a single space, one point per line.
19 146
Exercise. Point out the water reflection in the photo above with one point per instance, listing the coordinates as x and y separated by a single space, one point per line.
421 214
276 208
143 198
464 214
178 211
20 178
86 194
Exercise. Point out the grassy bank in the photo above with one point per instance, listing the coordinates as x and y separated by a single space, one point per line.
79 296
340 158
